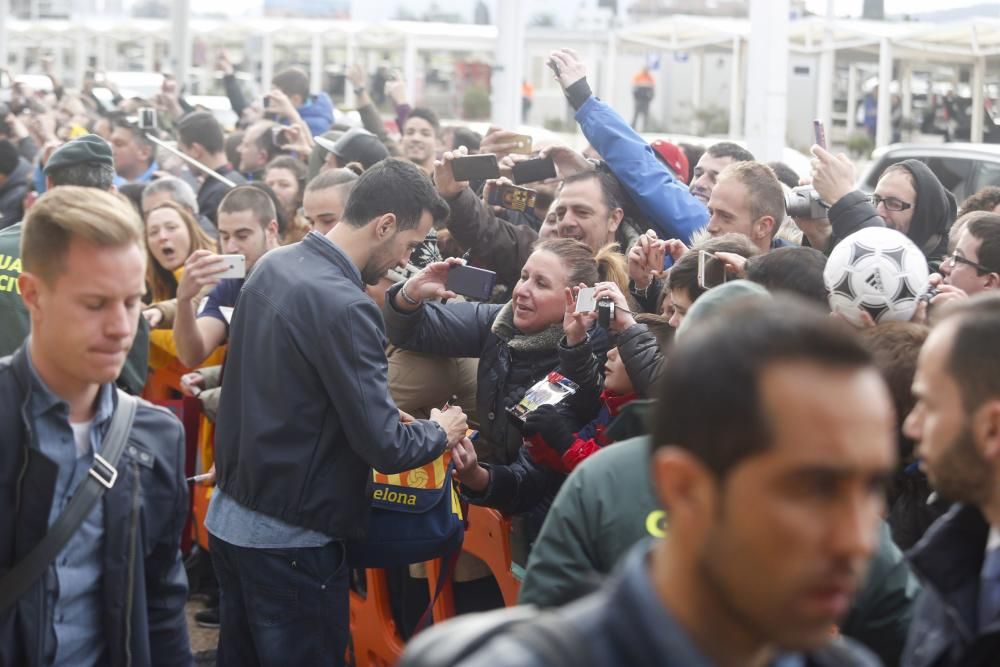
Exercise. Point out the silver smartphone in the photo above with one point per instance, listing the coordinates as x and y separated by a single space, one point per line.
711 270
236 267
585 301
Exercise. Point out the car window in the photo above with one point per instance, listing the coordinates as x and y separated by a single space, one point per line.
989 174
954 174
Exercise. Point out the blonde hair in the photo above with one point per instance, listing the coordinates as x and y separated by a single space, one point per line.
69 212
161 283
584 266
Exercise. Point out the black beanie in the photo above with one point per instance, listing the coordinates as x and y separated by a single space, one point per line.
934 210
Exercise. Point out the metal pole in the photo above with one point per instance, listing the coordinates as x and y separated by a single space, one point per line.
827 65
410 69
978 118
767 85
883 124
316 64
349 60
696 61
4 34
736 90
180 46
190 160
508 69
852 98
266 61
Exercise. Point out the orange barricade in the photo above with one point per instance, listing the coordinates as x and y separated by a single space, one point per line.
202 493
374 634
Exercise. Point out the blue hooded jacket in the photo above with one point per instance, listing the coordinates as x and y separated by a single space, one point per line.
317 113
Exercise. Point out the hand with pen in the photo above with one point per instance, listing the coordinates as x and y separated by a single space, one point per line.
452 421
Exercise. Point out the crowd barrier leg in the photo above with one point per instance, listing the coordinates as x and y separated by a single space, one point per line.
488 539
201 494
374 635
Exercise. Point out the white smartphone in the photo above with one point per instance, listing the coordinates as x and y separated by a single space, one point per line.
236 267
585 301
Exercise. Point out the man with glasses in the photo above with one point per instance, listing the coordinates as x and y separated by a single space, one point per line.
908 198
975 265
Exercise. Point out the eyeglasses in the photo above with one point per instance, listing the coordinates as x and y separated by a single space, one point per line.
890 203
955 258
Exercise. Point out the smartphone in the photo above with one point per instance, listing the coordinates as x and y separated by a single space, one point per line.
522 144
511 197
279 136
554 66
532 171
711 270
819 133
585 301
475 167
147 118
267 102
236 267
471 281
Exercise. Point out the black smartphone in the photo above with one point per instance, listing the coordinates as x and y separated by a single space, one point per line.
533 171
475 167
471 281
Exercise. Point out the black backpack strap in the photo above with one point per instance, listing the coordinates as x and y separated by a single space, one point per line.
102 476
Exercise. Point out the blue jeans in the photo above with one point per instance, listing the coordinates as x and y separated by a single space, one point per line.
281 606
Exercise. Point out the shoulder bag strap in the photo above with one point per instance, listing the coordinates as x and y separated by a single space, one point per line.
101 477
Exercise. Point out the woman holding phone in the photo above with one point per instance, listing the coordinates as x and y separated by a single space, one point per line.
517 343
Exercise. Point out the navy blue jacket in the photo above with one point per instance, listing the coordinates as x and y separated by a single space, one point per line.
144 514
948 561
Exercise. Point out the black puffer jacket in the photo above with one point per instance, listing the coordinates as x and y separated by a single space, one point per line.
934 212
640 352
509 361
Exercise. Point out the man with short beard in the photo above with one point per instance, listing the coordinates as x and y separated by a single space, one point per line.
304 417
420 138
956 423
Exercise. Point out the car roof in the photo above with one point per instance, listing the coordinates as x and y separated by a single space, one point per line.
968 150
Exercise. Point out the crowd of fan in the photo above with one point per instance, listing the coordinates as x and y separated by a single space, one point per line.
624 217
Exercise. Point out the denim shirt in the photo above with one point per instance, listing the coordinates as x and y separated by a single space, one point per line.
144 177
74 633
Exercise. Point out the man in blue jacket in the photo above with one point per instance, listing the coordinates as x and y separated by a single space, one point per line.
670 207
305 414
315 110
956 424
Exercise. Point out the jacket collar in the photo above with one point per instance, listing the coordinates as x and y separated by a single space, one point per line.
951 553
329 250
546 339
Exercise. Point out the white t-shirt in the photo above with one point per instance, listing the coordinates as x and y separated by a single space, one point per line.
81 435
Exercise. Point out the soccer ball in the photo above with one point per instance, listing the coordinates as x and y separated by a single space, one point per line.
876 270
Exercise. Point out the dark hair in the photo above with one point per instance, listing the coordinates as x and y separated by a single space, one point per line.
133 193
985 200
973 362
895 347
693 152
288 163
265 140
119 120
9 158
292 81
279 212
232 148
763 190
394 186
730 150
334 178
986 230
795 269
251 198
611 189
784 173
84 174
709 398
426 114
201 127
684 274
463 136
659 326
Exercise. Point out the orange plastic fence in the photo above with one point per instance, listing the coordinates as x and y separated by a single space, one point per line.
202 493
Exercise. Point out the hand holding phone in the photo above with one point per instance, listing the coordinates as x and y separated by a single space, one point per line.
533 171
711 270
819 133
471 281
236 267
475 167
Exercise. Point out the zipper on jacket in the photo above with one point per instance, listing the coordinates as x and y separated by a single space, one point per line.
133 540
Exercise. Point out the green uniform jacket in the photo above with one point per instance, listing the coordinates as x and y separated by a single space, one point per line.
15 323
607 505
